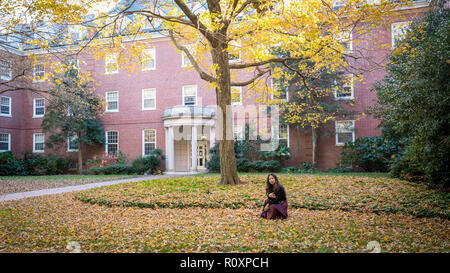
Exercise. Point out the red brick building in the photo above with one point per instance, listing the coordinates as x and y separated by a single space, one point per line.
169 107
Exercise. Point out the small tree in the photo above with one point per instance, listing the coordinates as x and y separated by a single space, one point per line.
313 104
73 115
413 98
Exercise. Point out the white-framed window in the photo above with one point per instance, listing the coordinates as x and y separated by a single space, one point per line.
185 62
283 93
38 72
72 145
5 142
73 63
238 132
5 106
148 141
283 134
149 99
338 3
38 107
345 132
38 143
112 63
236 95
112 142
190 95
149 59
345 38
112 101
346 91
398 31
234 51
5 70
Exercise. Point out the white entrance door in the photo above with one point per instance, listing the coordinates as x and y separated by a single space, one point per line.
201 155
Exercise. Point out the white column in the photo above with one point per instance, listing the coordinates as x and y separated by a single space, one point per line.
194 147
171 150
166 151
212 136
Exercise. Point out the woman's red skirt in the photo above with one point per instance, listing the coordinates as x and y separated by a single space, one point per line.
276 211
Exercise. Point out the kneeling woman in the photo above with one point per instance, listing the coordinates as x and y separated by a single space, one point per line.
275 206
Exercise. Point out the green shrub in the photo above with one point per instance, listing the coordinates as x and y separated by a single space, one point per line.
32 164
114 169
213 164
272 165
370 154
52 164
243 164
9 165
280 153
148 163
258 165
339 170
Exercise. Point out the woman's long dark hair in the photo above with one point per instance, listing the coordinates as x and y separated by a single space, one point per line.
272 188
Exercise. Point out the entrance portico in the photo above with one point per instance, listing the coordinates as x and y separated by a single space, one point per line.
189 134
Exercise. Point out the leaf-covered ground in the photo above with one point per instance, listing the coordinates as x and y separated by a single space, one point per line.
13 184
347 193
49 223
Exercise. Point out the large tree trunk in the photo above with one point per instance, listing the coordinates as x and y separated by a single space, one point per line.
80 159
228 169
314 145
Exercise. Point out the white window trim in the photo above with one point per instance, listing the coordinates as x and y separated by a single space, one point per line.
240 95
239 131
106 98
68 144
111 56
9 77
34 108
9 142
34 143
287 131
352 96
272 95
183 62
34 73
336 131
153 54
143 104
237 44
10 109
196 93
143 140
106 142
392 31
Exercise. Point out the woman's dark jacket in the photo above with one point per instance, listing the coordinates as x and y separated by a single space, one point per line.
280 196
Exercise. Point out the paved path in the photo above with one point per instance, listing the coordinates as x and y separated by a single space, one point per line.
20 195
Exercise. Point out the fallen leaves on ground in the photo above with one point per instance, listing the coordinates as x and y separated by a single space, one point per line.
49 223
347 193
13 184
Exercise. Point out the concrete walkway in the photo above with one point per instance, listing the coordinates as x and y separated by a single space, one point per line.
20 195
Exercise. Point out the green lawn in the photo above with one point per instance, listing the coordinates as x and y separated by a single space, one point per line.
327 213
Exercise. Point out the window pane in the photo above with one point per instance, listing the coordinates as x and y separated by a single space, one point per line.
189 100
149 136
4 142
3 146
345 137
112 148
236 95
112 137
148 147
4 105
